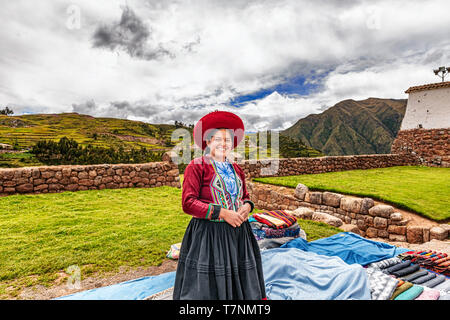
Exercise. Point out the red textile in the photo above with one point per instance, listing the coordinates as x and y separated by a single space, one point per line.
288 219
197 197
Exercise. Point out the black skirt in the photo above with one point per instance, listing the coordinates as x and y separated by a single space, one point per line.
219 262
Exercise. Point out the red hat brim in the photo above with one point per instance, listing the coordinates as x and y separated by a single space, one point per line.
218 119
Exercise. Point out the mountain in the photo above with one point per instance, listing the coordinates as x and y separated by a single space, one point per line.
352 127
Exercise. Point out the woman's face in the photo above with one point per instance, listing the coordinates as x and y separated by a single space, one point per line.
220 144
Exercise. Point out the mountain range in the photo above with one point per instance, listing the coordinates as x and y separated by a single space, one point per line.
351 127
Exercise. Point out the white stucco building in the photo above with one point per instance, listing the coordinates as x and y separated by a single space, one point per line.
428 107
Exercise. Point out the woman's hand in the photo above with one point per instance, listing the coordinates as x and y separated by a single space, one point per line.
231 217
244 210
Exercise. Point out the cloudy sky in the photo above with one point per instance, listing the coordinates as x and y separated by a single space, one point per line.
270 62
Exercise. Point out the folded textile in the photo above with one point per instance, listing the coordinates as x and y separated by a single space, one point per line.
401 289
400 282
429 294
270 221
276 218
270 243
397 267
434 282
415 275
405 271
261 231
444 286
445 296
410 294
349 246
293 274
381 285
423 279
383 264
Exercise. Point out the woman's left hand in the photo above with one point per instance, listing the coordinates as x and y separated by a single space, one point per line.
244 210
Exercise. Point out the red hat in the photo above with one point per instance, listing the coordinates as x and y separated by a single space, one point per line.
218 119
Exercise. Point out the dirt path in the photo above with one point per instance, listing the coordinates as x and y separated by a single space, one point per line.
60 288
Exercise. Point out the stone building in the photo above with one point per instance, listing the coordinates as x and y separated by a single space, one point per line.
425 128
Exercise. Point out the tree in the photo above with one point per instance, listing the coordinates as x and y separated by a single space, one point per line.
6 111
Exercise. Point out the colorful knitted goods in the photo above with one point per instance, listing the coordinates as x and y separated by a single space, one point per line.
276 219
435 261
410 294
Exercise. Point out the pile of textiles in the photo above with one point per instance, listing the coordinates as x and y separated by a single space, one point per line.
435 261
277 219
274 224
412 281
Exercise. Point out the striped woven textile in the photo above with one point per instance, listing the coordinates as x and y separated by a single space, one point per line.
435 261
276 218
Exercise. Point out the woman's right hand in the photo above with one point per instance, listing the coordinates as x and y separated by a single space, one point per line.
231 217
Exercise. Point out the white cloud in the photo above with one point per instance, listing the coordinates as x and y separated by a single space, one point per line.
219 50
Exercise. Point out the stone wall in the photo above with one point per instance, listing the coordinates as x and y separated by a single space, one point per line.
432 146
367 219
46 179
297 166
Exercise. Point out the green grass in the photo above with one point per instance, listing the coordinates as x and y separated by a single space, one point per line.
424 190
99 231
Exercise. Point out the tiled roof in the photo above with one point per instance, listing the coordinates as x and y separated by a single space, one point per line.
429 86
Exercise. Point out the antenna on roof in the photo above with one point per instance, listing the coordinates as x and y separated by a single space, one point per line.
443 70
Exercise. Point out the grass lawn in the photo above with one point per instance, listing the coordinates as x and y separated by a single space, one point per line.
96 230
425 190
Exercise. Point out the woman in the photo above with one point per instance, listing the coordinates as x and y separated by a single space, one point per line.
219 257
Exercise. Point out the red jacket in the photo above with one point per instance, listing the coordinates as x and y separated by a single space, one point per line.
204 192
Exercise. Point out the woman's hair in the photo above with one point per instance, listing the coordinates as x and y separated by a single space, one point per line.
212 132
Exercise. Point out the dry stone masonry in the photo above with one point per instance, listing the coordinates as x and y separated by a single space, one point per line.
304 165
432 146
361 214
47 179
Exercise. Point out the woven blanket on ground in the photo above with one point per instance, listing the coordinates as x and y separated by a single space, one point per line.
401 289
386 263
411 293
382 286
276 219
435 261
349 246
293 274
429 294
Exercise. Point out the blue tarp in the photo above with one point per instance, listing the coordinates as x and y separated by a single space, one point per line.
293 274
349 246
290 266
136 289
